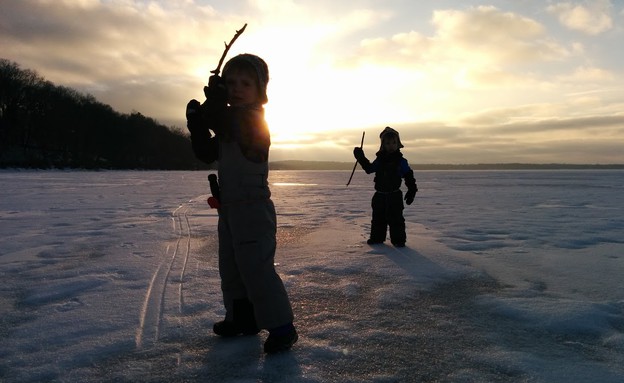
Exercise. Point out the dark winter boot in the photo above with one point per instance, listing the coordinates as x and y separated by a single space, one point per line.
372 241
244 321
281 339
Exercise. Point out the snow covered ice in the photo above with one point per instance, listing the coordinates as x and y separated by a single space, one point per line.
508 276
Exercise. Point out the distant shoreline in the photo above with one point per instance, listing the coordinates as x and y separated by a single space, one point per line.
335 165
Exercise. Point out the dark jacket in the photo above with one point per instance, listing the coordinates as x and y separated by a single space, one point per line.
245 126
389 169
241 147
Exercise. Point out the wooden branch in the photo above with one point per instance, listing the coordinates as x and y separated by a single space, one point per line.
356 162
227 48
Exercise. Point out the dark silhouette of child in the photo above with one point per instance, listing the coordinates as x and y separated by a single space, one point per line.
390 169
253 293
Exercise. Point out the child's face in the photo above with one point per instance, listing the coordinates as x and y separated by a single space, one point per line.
390 143
242 88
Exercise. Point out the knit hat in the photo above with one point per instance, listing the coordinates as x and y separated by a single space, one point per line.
262 71
389 131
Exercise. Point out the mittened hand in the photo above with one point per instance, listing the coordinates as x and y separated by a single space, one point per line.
409 196
216 81
215 92
195 118
193 114
192 109
358 153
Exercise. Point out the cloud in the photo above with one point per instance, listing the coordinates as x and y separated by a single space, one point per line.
123 36
544 140
476 54
593 18
122 50
115 50
529 134
481 35
474 49
589 74
506 80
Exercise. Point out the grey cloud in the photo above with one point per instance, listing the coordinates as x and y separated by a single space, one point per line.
127 54
483 151
501 37
435 142
592 17
577 151
558 124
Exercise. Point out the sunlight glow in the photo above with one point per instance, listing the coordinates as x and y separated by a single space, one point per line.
327 99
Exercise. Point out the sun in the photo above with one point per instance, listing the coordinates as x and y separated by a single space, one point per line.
311 98
291 123
311 92
300 107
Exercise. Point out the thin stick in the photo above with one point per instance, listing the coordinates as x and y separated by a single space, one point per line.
355 166
227 48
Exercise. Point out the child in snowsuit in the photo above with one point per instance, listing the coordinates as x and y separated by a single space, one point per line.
389 167
253 293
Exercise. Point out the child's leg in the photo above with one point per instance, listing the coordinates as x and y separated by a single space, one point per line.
396 220
231 283
379 224
239 317
254 230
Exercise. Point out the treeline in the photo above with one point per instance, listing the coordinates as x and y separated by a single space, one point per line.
43 125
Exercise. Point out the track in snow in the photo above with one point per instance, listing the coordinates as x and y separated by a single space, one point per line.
165 293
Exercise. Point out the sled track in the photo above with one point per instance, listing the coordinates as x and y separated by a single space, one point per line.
162 295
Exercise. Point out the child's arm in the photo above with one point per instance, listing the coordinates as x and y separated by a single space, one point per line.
410 182
205 146
201 118
358 153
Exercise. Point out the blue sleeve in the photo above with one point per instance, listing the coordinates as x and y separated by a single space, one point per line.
404 167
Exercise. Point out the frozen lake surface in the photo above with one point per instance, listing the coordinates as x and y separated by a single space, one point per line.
508 276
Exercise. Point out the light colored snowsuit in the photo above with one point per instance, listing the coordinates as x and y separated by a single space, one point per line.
247 238
247 221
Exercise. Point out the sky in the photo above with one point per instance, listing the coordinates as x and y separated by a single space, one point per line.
463 81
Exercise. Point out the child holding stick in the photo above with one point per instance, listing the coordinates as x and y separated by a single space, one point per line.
253 293
390 168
